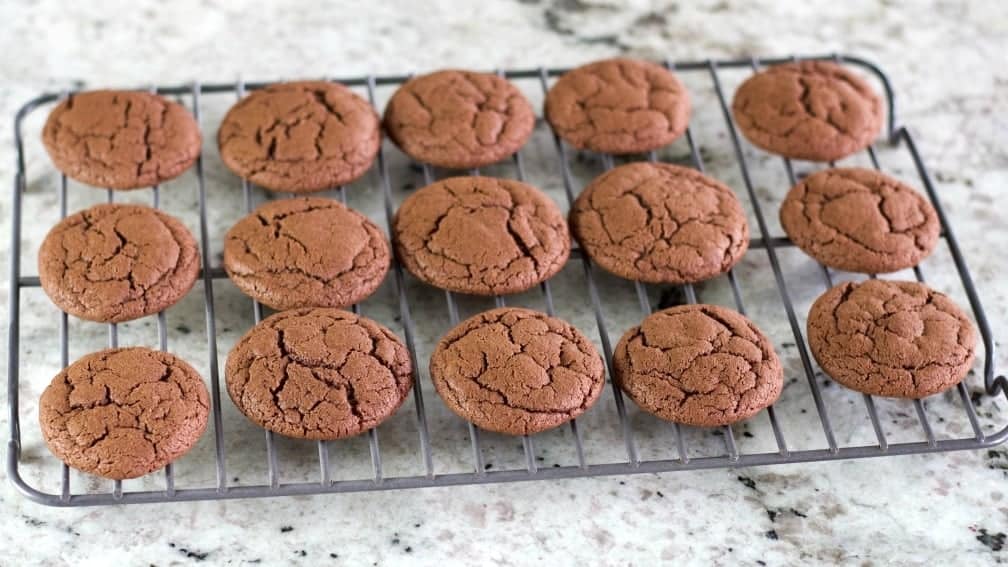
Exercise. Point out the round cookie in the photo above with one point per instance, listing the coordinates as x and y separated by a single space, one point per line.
318 373
517 371
306 252
698 364
481 235
660 223
618 106
300 137
860 220
890 338
124 412
116 262
121 139
459 119
812 110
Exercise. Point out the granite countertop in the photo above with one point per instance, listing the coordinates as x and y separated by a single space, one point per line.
931 509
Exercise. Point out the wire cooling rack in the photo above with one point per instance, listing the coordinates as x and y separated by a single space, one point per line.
425 445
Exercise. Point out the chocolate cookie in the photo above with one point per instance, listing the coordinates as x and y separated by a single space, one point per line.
701 365
300 137
124 412
306 252
889 338
517 371
318 373
481 235
660 223
459 119
117 262
860 220
618 106
121 139
813 110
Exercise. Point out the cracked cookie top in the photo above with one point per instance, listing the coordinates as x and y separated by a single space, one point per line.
481 235
318 373
517 371
459 119
891 338
117 262
660 223
121 139
306 252
300 137
618 106
124 412
698 364
860 220
812 110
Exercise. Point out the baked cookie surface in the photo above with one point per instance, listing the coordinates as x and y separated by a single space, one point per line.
117 262
124 412
481 235
318 373
698 364
121 139
300 137
860 220
517 371
811 110
306 252
891 338
618 106
459 119
660 223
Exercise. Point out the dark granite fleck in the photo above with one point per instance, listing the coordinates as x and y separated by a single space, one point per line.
654 18
555 22
748 482
191 553
771 534
285 529
976 397
994 541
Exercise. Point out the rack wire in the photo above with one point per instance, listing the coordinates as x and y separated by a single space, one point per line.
426 473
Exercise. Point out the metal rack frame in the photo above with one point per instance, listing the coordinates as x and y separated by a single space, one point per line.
764 242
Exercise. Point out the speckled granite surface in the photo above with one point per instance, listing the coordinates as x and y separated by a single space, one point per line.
904 510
